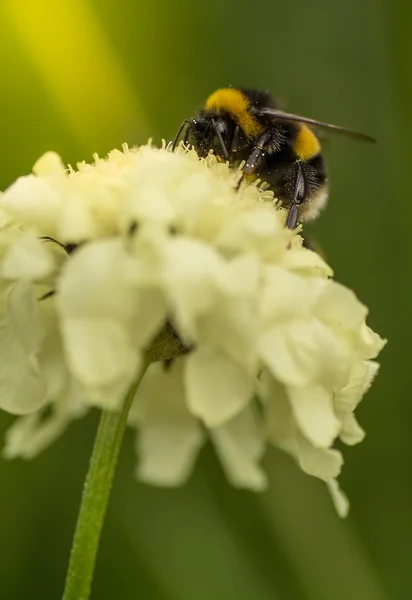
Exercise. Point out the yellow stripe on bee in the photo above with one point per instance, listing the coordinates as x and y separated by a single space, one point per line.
306 143
237 105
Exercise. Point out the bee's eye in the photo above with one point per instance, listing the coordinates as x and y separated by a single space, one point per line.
201 125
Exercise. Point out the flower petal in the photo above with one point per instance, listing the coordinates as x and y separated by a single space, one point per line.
339 499
240 446
31 434
33 201
193 272
351 432
339 306
217 387
22 388
324 463
362 376
151 314
306 262
313 410
279 421
304 351
49 164
284 295
169 436
100 354
257 231
231 323
27 258
92 284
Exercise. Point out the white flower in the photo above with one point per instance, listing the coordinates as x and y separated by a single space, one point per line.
170 433
149 253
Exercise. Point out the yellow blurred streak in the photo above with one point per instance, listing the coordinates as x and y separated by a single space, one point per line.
80 68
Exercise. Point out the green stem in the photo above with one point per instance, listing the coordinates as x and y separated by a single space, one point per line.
95 498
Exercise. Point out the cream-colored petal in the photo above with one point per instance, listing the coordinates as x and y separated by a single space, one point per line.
168 452
351 432
33 201
76 222
22 311
362 376
339 499
257 231
160 394
99 311
22 389
339 306
306 262
231 323
169 436
231 326
372 369
108 396
27 258
276 354
279 421
49 164
192 274
19 439
240 446
151 314
312 407
324 463
31 434
142 263
370 342
91 285
159 211
304 351
284 295
242 277
99 351
51 358
217 388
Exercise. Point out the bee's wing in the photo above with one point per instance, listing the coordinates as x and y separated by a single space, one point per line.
280 114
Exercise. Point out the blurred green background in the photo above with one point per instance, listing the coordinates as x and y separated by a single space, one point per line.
83 76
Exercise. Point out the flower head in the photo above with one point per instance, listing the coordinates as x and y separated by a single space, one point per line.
153 255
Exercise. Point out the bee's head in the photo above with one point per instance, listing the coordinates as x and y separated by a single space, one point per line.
211 131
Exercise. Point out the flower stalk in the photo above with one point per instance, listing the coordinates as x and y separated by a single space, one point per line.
95 497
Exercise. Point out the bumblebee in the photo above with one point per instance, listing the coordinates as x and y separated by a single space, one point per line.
280 148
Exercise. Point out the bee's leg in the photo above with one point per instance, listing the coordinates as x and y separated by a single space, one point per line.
235 140
187 123
292 218
299 194
255 157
